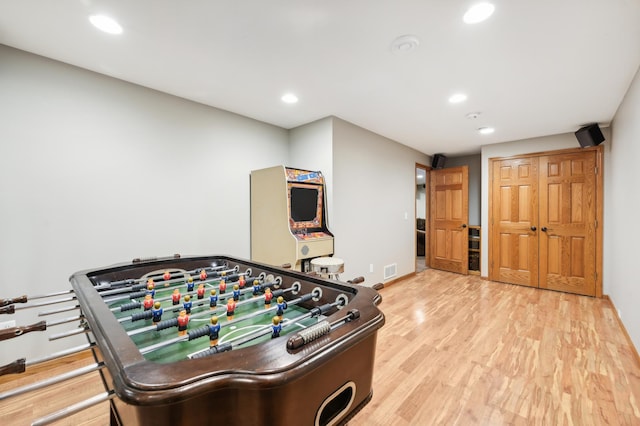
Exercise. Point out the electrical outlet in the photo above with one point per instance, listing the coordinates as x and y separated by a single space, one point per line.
7 324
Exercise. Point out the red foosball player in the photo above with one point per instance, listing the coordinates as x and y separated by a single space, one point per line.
242 282
203 275
175 297
282 305
183 320
267 297
236 292
276 327
156 312
200 291
213 299
190 283
231 308
187 304
214 331
222 286
147 303
166 276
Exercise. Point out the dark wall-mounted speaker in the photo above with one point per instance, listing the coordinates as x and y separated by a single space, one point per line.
438 160
589 135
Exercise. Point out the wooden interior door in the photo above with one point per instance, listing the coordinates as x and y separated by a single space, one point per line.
514 212
449 206
568 222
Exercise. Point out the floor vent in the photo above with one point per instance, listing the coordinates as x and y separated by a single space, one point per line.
390 271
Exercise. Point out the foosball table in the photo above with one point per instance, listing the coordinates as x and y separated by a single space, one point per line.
215 339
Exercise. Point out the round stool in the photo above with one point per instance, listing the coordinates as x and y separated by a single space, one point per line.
327 267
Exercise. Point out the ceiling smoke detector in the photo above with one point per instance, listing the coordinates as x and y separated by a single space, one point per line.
405 44
473 115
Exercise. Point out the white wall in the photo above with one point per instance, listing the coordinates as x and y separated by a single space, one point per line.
310 148
374 202
622 205
95 171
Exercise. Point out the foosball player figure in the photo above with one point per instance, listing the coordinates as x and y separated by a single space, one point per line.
151 288
147 303
236 292
187 303
214 331
276 327
242 282
200 291
231 308
222 287
267 297
175 297
203 275
183 320
213 299
166 276
256 288
156 312
282 305
190 283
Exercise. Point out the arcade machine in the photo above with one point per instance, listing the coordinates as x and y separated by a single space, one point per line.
288 217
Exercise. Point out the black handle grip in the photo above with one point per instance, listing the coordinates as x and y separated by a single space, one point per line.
533 228
543 229
464 225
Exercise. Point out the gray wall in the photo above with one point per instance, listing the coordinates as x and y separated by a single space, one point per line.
622 205
374 202
475 183
95 171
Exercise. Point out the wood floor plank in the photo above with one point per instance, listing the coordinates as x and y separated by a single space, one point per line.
455 350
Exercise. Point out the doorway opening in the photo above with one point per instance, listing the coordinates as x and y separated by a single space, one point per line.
422 181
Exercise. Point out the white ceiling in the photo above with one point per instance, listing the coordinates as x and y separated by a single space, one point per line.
534 68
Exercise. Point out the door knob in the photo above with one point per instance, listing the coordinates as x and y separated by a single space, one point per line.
543 229
464 225
533 228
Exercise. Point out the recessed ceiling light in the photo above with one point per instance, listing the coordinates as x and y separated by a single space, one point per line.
457 98
486 130
289 98
404 44
478 13
106 24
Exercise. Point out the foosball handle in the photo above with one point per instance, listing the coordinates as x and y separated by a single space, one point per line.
286 266
21 299
8 309
356 280
11 332
153 258
17 366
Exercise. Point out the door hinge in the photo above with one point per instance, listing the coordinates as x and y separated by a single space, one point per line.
596 172
596 223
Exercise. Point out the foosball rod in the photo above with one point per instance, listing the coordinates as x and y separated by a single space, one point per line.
20 365
221 309
140 290
50 302
124 285
198 303
75 408
266 329
52 380
24 298
186 337
11 332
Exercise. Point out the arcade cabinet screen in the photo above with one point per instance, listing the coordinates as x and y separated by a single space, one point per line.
306 205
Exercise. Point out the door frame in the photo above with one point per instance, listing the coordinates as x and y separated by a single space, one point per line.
427 182
599 150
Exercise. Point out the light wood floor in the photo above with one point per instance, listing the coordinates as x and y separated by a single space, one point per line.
455 350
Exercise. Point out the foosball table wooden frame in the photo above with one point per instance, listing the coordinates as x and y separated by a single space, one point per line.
297 380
